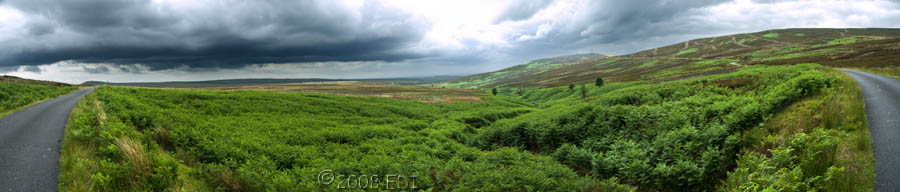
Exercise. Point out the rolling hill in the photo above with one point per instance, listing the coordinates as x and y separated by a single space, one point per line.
856 48
19 80
17 93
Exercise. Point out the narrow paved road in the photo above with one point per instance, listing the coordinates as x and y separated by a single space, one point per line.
882 97
29 144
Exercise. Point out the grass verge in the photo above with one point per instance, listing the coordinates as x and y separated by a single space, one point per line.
91 156
818 142
75 158
890 71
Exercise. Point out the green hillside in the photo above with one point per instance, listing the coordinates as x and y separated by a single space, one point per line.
857 48
17 92
499 78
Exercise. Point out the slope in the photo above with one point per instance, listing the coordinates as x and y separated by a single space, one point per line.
17 93
864 48
501 77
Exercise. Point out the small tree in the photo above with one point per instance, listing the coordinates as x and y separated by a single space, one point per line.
583 91
494 91
599 81
571 86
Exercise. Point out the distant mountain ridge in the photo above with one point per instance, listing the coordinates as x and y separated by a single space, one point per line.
861 47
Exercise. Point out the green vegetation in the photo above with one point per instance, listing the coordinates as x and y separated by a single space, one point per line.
669 72
686 51
771 35
840 41
682 71
131 139
804 54
152 139
689 125
776 52
713 62
608 61
486 80
726 42
648 64
584 91
14 96
612 69
890 71
645 135
819 143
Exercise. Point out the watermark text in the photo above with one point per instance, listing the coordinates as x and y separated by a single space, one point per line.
367 181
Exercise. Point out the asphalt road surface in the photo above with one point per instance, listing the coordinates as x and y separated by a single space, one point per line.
29 144
882 96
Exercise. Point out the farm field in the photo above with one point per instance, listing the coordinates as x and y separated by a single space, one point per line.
554 139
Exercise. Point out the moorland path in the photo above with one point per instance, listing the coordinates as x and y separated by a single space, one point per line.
882 98
29 144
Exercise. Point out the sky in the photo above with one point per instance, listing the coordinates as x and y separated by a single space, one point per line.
74 41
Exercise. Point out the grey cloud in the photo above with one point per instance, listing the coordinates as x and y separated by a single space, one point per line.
130 69
96 69
40 28
7 69
139 37
607 22
33 69
765 1
522 10
91 15
225 34
626 20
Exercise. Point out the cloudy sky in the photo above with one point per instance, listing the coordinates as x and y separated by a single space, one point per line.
169 40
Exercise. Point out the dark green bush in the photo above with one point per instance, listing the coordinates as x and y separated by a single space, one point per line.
681 135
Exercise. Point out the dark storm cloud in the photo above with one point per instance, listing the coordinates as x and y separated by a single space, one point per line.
219 34
96 69
38 29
